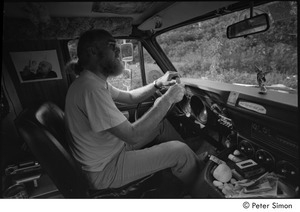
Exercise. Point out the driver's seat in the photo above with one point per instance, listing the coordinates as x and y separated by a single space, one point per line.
44 132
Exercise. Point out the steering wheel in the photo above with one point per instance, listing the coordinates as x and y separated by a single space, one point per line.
157 94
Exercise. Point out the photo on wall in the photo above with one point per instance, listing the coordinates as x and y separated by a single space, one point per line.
35 66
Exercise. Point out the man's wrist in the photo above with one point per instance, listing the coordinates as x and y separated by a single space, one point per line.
156 85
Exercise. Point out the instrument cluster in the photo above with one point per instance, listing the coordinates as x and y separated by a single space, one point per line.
193 106
203 110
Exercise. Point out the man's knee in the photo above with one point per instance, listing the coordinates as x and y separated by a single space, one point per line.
185 160
179 148
167 132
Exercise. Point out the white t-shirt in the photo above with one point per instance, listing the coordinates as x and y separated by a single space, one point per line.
90 111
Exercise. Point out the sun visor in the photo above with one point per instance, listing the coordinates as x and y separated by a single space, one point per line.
63 28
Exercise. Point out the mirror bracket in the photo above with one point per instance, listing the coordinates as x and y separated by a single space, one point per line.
251 12
251 9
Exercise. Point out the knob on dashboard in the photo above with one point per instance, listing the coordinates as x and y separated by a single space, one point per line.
265 158
246 148
288 170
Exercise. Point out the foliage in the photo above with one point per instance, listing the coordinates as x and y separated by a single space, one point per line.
203 50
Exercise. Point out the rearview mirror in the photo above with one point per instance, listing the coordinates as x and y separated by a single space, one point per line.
249 26
127 52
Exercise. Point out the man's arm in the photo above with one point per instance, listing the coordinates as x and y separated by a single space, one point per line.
144 130
137 95
140 94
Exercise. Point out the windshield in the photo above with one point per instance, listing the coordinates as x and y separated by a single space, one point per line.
202 50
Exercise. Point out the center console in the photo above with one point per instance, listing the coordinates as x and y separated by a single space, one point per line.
281 186
266 161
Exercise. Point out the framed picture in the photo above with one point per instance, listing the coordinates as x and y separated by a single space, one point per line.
35 66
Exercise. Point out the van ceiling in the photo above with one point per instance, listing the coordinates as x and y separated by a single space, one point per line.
67 20
138 11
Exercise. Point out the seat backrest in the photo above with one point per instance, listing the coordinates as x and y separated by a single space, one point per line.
52 118
53 157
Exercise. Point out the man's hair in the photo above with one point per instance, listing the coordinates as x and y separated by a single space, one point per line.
89 39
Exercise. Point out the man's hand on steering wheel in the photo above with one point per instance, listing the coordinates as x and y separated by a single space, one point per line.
168 79
168 84
174 94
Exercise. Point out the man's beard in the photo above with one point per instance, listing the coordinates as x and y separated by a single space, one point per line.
113 68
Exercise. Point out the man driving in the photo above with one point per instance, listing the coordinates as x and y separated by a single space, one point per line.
108 147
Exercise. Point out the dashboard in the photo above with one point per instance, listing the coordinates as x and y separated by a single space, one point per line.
206 109
265 128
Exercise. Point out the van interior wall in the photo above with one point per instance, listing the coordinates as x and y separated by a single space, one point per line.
32 94
27 95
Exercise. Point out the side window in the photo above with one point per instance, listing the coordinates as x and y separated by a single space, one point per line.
152 70
132 68
72 46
